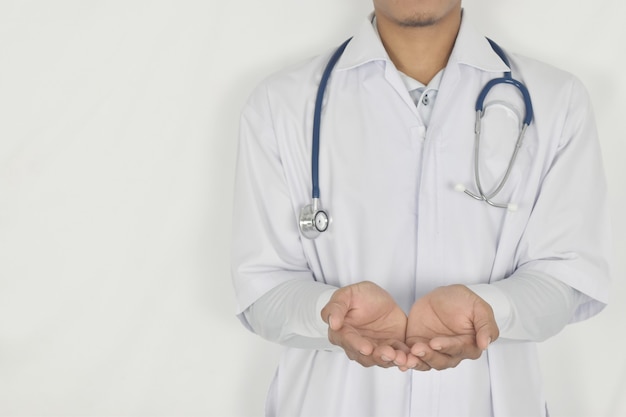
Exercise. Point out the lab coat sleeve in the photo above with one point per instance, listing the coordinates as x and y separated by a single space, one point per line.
289 314
266 248
530 307
566 239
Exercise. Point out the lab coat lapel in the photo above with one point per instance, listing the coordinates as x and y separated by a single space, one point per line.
473 49
366 48
470 49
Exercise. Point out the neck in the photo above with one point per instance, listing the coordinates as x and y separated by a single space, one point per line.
420 51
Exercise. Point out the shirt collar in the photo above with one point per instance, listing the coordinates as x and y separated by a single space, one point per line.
470 48
413 84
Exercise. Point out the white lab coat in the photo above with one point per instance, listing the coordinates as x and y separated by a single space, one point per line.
397 220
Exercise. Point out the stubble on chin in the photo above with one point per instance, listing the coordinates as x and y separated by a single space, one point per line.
418 20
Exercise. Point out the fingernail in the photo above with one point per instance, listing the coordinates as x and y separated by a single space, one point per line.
386 359
488 343
421 354
437 348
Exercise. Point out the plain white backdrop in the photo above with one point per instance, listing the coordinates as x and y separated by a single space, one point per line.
118 135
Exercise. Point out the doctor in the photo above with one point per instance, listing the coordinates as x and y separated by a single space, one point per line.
417 299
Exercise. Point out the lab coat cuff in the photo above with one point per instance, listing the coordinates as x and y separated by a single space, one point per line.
498 300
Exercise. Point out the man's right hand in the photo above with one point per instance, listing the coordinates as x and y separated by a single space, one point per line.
368 324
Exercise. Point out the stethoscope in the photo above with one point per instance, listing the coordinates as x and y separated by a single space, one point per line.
315 220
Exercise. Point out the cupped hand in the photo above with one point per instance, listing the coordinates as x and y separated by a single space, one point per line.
367 323
448 325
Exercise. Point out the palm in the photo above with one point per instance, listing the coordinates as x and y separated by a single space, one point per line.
375 315
441 313
448 325
368 324
444 327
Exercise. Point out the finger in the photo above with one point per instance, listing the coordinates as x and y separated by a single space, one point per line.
463 347
335 311
486 335
402 352
384 354
401 360
373 359
440 361
398 345
363 360
429 357
420 348
422 352
451 346
485 326
413 362
350 340
422 366
393 352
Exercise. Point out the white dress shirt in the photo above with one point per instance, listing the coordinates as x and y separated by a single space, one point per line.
388 180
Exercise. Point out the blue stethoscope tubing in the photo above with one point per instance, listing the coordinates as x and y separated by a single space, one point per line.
528 118
315 220
317 117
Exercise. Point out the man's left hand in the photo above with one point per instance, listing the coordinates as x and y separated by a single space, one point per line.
448 325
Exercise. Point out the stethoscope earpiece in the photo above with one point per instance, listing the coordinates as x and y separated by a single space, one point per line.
512 207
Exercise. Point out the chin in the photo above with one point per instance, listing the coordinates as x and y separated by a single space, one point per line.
420 20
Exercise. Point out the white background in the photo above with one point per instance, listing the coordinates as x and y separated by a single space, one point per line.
118 135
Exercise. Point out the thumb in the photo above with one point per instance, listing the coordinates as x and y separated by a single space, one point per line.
335 311
485 325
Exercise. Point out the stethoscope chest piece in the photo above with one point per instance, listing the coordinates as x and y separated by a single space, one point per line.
313 220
